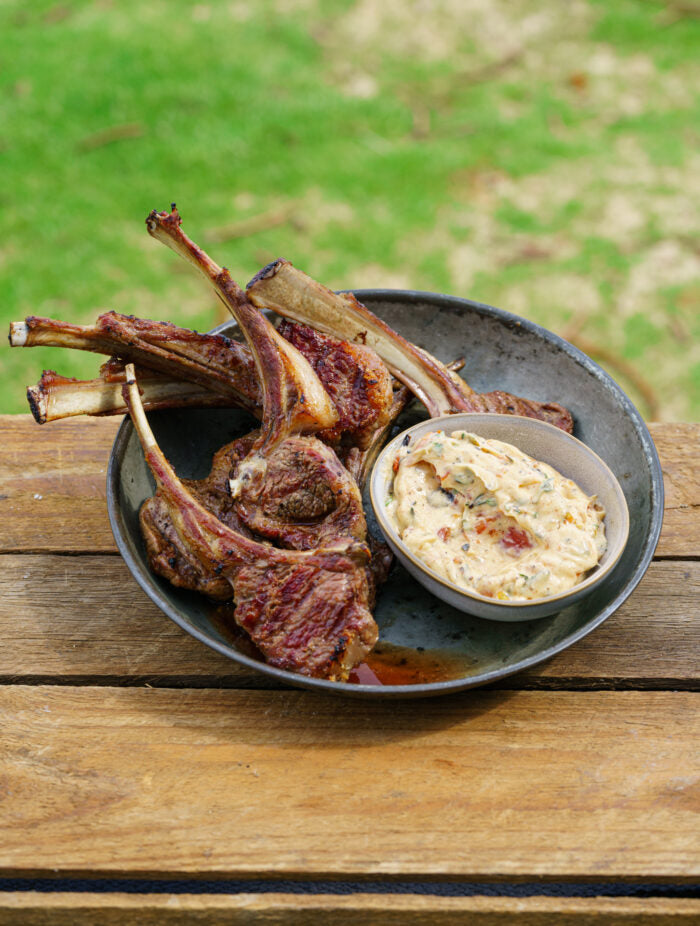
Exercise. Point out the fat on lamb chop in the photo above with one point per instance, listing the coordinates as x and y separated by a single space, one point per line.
306 611
291 293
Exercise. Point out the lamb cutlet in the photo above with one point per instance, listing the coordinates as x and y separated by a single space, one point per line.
293 399
287 486
213 361
354 377
224 366
174 561
291 293
306 611
206 369
278 524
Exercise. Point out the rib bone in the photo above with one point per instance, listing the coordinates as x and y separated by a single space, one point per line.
56 396
293 294
293 398
210 360
219 364
354 376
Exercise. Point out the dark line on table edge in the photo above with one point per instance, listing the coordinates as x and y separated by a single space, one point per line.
341 887
206 682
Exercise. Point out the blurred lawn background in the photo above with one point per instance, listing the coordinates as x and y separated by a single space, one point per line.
539 156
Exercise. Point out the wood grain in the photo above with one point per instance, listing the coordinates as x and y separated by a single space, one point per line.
34 909
84 618
498 785
52 484
65 464
677 445
58 625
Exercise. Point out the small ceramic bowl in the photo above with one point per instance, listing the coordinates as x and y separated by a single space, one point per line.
543 442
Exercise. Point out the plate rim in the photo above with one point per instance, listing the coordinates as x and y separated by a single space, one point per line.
459 305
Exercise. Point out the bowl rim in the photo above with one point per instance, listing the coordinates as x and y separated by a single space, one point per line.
596 573
459 306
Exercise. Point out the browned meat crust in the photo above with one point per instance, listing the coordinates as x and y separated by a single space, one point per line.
355 378
304 618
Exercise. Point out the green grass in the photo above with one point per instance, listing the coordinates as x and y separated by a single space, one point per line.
240 107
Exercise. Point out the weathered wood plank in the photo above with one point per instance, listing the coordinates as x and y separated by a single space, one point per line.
677 445
84 617
52 484
598 785
35 909
654 636
55 624
65 464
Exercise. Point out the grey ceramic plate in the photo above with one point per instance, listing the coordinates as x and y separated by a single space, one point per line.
426 647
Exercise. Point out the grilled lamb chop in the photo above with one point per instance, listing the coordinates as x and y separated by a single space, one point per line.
296 296
174 561
213 361
354 377
357 381
306 611
287 486
293 399
225 366
170 558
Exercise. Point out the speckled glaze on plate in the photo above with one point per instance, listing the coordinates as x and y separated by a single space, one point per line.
502 351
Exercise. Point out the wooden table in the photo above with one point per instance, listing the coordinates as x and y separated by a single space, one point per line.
132 753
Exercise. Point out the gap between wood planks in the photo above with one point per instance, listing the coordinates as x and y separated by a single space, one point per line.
198 682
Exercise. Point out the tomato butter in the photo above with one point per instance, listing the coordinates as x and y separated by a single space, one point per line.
492 520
